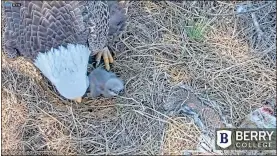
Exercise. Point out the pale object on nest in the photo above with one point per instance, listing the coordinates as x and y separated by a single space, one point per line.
105 83
241 9
260 118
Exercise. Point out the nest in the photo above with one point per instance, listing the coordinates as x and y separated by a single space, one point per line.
205 45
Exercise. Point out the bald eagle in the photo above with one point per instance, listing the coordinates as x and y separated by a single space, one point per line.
59 36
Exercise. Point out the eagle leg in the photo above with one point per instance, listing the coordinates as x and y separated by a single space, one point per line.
106 54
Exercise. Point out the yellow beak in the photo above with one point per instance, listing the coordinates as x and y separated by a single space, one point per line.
79 99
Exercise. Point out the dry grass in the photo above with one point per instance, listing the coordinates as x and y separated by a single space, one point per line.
201 44
180 135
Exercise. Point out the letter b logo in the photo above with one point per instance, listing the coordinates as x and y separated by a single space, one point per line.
223 138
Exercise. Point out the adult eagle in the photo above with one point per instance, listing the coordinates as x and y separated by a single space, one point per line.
59 37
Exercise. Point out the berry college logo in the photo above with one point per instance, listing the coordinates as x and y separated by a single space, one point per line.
223 138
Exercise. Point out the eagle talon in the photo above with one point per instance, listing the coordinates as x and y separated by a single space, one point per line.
107 57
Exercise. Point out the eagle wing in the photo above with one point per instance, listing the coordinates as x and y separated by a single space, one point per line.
38 26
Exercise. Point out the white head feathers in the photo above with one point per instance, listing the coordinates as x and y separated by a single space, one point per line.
66 68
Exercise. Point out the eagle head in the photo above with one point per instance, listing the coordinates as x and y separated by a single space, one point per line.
113 87
66 68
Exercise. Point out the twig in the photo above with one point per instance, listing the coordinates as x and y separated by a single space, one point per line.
245 12
257 26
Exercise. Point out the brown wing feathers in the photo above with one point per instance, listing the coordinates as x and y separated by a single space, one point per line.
38 26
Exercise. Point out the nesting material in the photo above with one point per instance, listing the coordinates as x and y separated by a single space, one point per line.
203 44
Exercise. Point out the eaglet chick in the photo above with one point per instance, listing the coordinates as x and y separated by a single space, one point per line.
105 83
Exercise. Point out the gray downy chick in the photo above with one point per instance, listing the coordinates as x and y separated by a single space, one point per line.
105 83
